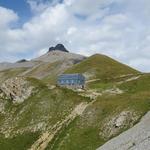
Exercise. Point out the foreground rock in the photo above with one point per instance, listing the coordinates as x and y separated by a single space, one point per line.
16 89
136 138
112 126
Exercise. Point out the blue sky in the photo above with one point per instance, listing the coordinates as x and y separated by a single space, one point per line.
21 7
118 28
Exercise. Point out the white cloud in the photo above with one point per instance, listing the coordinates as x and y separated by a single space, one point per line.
7 16
86 7
38 6
41 52
117 28
142 63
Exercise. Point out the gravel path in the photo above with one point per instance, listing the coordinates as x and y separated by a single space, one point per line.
47 137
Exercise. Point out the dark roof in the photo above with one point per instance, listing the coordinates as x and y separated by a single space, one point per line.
71 79
76 75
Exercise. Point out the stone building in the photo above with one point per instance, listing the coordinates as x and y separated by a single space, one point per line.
71 80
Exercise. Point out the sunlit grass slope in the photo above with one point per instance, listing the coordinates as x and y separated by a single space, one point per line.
9 73
84 132
42 110
102 67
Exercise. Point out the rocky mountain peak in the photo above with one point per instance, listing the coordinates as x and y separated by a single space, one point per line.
59 47
22 61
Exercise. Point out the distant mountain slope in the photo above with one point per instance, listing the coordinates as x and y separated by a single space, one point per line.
52 64
49 71
47 66
28 64
54 54
58 55
102 67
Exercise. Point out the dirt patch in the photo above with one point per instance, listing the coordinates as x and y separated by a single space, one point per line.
47 137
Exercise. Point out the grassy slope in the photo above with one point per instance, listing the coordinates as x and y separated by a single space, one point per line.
19 142
84 132
43 70
50 106
4 75
102 67
52 77
48 72
46 106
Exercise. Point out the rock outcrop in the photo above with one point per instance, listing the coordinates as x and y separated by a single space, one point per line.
22 61
136 138
115 124
59 47
16 89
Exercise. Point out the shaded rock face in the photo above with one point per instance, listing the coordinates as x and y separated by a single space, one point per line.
60 47
17 89
21 61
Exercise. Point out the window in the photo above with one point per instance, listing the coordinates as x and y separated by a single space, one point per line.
72 81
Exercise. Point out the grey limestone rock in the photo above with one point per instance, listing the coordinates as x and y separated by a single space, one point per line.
136 138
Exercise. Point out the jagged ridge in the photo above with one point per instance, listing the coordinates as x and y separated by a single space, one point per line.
59 47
